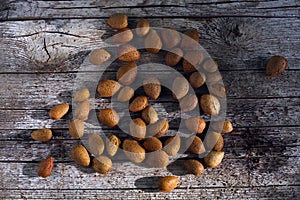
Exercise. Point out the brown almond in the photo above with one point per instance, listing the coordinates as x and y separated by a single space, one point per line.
276 66
213 77
128 53
215 141
167 183
81 95
170 38
152 144
195 124
213 159
80 155
58 111
172 145
196 146
190 39
118 21
217 89
127 73
157 159
112 144
134 151
99 56
125 94
102 164
137 128
194 167
45 167
152 87
142 27
159 128
107 88
173 57
138 104
180 87
210 104
82 111
42 135
197 79
108 117
188 103
122 36
76 128
96 144
210 65
192 60
153 42
149 115
227 127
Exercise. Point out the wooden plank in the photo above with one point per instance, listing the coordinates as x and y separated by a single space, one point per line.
61 45
20 10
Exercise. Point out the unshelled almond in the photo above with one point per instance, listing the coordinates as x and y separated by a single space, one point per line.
126 74
96 144
276 66
152 144
173 57
196 146
82 95
80 155
188 103
214 158
128 53
152 87
172 145
118 21
210 104
138 104
125 94
159 128
102 164
194 167
210 65
45 167
150 115
58 111
108 117
157 159
214 140
170 38
197 79
134 151
76 128
180 87
217 89
142 27
192 60
42 135
107 88
153 42
82 110
122 36
190 39
112 144
137 128
99 56
167 183
195 124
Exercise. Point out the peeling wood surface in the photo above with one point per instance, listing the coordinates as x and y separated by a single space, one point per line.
44 43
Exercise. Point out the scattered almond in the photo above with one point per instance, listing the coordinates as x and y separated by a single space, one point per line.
108 117
194 167
152 42
210 65
107 88
157 159
180 87
276 66
76 128
149 115
127 73
134 151
167 183
195 124
170 38
152 87
45 167
102 164
138 104
152 144
82 111
42 135
112 144
173 57
196 146
122 36
215 141
190 39
197 79
96 144
172 145
137 128
217 89
118 21
142 28
58 111
188 103
82 95
213 159
99 56
80 155
210 104
192 60
125 94
159 128
128 53
227 127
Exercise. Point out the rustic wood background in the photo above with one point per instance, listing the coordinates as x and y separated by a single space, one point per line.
43 43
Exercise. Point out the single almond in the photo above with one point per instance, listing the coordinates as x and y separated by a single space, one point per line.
126 74
125 94
190 39
82 95
195 124
157 159
159 128
227 127
42 135
128 53
196 146
112 144
102 164
167 183
276 66
210 65
217 89
82 110
213 159
137 128
138 104
134 151
152 144
80 155
197 79
192 60
153 42
194 167
188 103
170 38
152 87
118 21
142 27
45 167
149 115
214 77
76 128
99 56
210 104
58 111
107 88
108 117
172 145
214 140
122 36
96 144
180 87
173 57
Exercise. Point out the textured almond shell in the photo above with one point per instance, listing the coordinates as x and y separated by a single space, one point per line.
58 111
45 167
42 135
80 155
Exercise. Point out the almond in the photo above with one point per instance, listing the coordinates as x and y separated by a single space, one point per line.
152 42
108 117
138 104
172 145
194 167
210 104
45 167
190 39
96 144
112 144
159 128
217 89
137 128
173 57
213 77
122 36
152 87
42 135
82 111
128 53
80 155
118 21
102 164
196 146
170 38
142 28
152 144
76 128
210 65
149 115
127 73
188 103
197 79
99 56
107 88
167 183
215 141
82 95
180 87
192 60
157 159
213 159
58 111
276 66
134 151
195 124
125 94
227 127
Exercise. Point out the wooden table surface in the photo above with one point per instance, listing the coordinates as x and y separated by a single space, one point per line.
44 42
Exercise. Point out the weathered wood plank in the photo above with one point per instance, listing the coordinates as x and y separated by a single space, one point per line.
61 45
18 10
